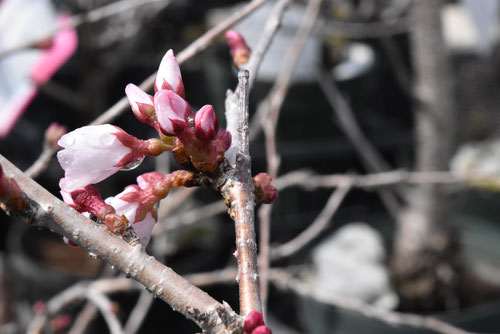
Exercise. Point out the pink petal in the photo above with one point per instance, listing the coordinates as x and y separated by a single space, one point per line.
63 46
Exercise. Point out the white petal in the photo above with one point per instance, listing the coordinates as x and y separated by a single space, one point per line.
90 155
169 71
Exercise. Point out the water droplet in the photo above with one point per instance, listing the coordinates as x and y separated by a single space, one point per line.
92 255
157 205
68 140
134 164
106 139
127 274
112 267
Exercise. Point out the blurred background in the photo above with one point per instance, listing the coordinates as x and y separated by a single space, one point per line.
393 102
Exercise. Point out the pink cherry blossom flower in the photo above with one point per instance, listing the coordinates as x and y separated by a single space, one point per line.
172 112
143 227
93 153
169 75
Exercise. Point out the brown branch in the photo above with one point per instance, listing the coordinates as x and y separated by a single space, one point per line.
45 210
316 227
200 44
238 192
283 280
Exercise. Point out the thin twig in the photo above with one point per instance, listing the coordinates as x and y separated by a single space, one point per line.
41 163
42 209
78 292
84 318
105 306
238 192
273 23
269 119
316 227
139 313
283 280
369 155
200 44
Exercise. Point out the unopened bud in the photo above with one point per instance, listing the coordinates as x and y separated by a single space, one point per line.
253 320
169 75
142 105
238 48
206 125
52 135
264 191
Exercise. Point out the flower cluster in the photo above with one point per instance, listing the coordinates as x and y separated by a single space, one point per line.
202 144
93 153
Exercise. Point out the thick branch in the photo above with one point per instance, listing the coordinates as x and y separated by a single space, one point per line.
238 192
45 210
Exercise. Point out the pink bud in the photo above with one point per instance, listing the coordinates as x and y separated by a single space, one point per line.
172 112
265 192
205 124
142 105
262 330
238 48
53 133
169 75
88 199
253 320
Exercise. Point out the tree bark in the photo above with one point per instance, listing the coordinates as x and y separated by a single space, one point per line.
423 244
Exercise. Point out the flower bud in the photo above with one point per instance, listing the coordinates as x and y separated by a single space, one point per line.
172 112
264 191
262 330
205 124
253 320
142 105
238 48
169 75
53 133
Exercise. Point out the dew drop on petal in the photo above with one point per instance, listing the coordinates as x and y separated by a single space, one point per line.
134 164
68 140
106 139
157 205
